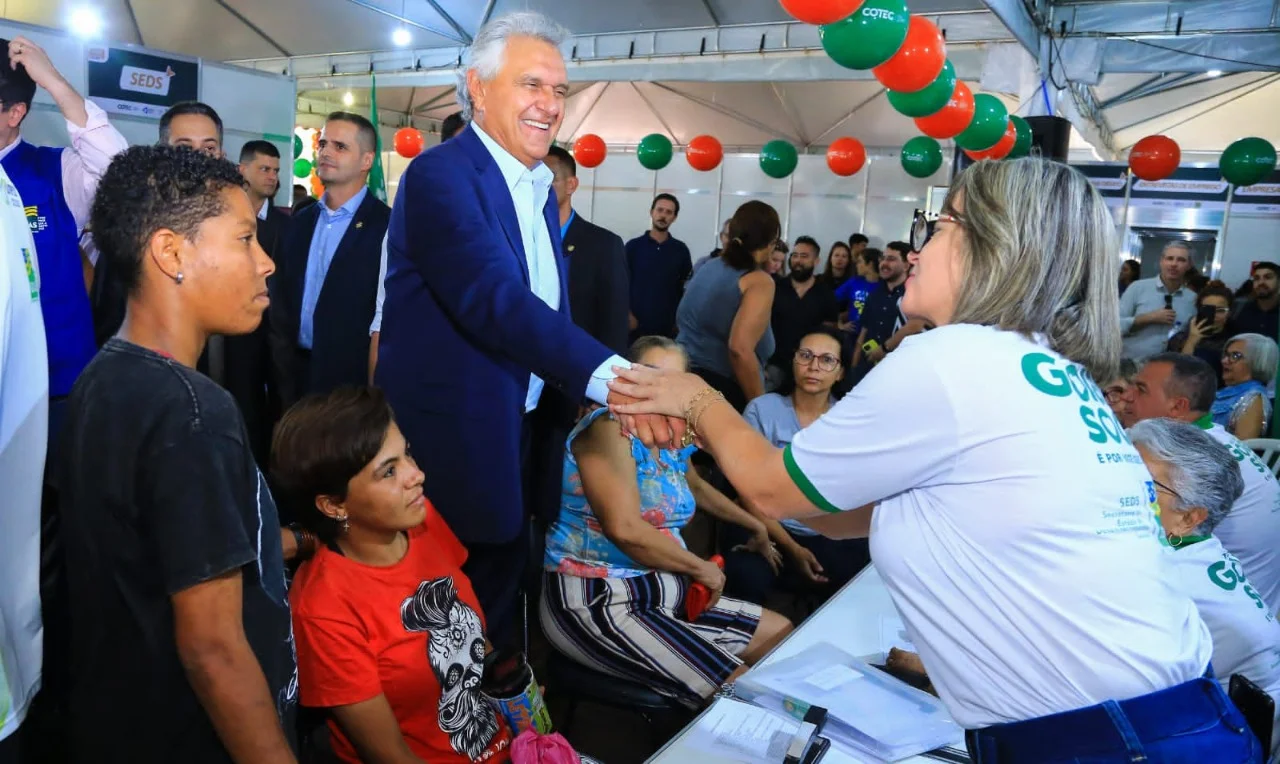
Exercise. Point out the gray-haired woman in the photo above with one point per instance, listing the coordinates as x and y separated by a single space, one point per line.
1196 481
1243 405
1007 511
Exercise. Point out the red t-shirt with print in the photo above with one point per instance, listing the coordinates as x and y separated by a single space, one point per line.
413 632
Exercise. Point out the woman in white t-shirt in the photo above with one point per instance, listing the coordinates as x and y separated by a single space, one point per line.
1197 483
1013 522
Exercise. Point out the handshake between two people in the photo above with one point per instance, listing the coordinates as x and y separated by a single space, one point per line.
654 404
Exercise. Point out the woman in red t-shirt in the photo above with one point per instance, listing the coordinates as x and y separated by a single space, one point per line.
389 633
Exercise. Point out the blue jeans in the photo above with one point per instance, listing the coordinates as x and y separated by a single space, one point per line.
1191 723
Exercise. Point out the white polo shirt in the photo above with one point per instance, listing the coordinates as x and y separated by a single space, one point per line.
1246 637
24 436
1016 530
1251 530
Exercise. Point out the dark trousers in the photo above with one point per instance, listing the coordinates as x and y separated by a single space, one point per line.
1186 724
247 377
9 749
749 577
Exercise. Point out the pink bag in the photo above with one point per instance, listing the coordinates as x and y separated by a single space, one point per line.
531 748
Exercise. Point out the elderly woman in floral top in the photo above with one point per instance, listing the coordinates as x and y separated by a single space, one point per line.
617 572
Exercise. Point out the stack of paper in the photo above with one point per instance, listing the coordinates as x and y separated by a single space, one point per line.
869 712
740 732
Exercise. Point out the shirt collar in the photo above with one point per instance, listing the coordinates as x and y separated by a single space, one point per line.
7 150
565 228
513 171
349 207
1205 422
262 213
1186 541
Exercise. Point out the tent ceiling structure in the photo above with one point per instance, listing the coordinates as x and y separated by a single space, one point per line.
741 69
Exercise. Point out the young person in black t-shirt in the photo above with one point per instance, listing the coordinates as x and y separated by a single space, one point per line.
181 644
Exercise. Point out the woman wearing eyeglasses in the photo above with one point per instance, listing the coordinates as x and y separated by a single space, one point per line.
810 561
1243 405
1009 516
1205 338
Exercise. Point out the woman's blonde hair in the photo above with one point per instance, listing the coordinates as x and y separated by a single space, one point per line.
1041 258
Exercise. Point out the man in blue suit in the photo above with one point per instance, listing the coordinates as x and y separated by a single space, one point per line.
476 328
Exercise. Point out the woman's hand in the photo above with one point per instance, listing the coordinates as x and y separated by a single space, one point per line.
807 562
1199 329
655 391
711 576
762 545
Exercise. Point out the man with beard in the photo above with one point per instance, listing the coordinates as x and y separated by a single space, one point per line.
1261 314
658 264
800 305
883 325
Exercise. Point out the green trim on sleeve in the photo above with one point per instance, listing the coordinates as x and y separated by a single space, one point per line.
806 487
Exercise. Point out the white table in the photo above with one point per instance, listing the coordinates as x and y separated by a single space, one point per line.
850 620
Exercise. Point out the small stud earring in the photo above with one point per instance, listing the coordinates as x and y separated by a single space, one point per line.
179 277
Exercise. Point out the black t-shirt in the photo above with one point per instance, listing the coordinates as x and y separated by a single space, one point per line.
159 492
1254 320
795 316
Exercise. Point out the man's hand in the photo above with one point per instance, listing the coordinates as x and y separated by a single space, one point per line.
875 355
653 430
807 563
33 58
1164 316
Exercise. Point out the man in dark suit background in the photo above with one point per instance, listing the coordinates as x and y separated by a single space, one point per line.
326 281
248 356
598 291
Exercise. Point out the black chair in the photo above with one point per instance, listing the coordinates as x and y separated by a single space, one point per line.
576 683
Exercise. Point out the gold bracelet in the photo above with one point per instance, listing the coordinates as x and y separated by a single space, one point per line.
697 417
704 392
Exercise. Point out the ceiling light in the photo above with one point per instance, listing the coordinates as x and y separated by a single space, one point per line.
1213 73
401 37
348 99
86 22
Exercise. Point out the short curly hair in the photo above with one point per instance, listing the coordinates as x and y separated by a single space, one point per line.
148 188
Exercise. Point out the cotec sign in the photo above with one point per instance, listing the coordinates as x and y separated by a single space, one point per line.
144 80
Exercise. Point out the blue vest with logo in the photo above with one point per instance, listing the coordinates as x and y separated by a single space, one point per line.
68 319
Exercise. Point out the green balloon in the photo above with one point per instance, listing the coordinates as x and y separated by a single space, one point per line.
929 101
990 120
778 159
1022 147
301 168
1247 161
869 37
921 156
297 147
654 151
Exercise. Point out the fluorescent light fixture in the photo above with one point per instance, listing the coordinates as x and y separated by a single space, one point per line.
348 99
401 37
85 21
1213 73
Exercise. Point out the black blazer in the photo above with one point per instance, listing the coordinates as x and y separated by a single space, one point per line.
599 295
340 340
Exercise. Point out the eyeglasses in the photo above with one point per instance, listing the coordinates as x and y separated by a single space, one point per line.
1235 356
1115 394
922 228
1167 489
826 361
1217 310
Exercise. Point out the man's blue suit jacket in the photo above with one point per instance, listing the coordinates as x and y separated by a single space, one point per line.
462 330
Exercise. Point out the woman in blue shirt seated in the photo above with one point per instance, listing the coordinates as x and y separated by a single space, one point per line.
810 560
617 572
1243 404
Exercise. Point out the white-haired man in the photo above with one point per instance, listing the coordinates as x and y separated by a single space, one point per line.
1153 310
476 328
1182 387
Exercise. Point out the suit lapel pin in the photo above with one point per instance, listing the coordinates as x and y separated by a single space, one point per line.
570 248
359 224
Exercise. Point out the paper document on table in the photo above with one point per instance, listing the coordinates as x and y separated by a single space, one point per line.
742 732
893 633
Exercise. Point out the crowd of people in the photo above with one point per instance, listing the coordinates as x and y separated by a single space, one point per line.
282 476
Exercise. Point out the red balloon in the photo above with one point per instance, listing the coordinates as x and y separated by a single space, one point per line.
704 153
918 62
845 156
408 142
953 119
589 150
1154 157
818 12
1002 147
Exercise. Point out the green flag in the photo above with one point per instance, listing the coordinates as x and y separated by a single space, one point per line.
377 180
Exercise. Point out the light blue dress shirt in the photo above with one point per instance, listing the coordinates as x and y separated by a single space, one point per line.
530 189
1143 297
330 229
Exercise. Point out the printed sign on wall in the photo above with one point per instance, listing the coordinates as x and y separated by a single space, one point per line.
124 81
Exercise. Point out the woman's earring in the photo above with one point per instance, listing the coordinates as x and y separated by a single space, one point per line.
1172 542
346 524
179 277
